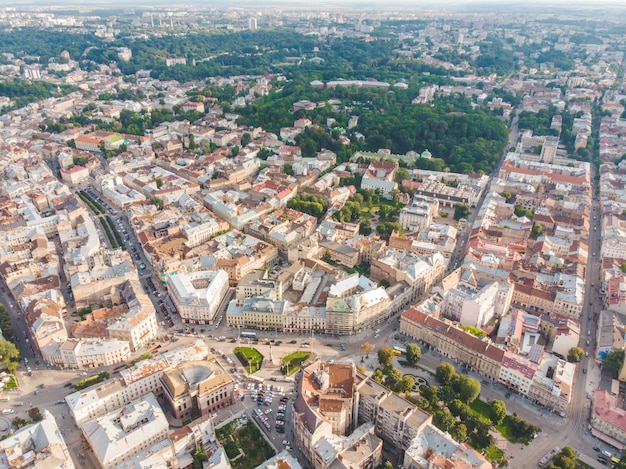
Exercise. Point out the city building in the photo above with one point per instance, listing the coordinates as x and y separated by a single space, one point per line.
198 295
608 420
474 306
324 419
126 432
197 388
381 176
480 355
39 445
433 448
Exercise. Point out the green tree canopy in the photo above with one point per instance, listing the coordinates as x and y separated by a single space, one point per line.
498 411
468 389
406 384
385 356
413 354
613 363
9 355
575 354
461 211
445 372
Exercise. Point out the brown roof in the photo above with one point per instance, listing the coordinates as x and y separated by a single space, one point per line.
460 336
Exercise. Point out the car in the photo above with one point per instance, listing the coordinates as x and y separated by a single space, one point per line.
268 411
293 341
8 411
586 354
584 371
285 442
83 373
142 266
67 385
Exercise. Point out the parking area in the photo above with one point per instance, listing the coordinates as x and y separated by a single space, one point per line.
267 403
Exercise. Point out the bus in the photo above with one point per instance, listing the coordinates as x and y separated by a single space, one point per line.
398 351
248 335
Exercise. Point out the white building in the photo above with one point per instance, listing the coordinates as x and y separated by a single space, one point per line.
197 295
39 446
419 214
85 353
124 433
472 306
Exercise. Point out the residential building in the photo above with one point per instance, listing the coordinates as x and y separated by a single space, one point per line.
397 420
257 284
419 214
135 382
39 445
608 419
124 433
257 313
198 295
355 303
433 448
324 419
480 355
474 306
381 175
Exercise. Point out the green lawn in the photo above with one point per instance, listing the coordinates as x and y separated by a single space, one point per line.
493 453
245 447
12 383
481 408
291 363
250 358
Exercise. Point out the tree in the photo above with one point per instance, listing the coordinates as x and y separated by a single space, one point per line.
394 376
402 174
563 462
613 363
199 457
575 354
536 231
159 183
507 196
461 211
367 348
406 384
19 422
385 356
365 228
413 354
468 389
444 420
245 139
9 355
445 372
459 432
35 414
288 169
498 412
